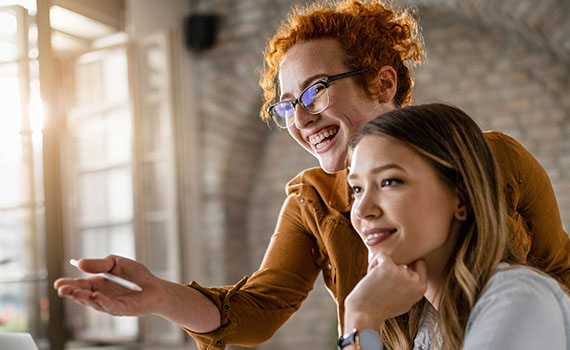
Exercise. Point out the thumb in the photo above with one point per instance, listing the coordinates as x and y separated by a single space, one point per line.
97 265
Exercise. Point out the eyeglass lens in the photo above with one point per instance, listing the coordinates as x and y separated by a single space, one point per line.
311 99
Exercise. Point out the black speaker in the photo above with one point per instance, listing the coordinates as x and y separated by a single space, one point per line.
200 31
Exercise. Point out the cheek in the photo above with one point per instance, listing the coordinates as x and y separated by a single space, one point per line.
430 219
296 135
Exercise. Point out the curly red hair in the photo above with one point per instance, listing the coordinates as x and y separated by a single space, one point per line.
372 34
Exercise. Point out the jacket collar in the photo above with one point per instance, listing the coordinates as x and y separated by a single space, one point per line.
339 196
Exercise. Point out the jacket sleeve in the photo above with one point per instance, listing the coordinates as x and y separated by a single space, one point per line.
254 309
530 194
550 243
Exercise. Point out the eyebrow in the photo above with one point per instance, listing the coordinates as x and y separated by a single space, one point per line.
305 83
379 169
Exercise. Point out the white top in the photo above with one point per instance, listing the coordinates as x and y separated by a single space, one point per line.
519 309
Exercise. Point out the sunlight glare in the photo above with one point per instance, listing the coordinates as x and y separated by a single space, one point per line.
10 118
8 24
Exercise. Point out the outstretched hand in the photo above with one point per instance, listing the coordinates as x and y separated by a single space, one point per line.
388 290
109 297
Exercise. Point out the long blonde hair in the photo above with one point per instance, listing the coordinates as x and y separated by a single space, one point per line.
455 146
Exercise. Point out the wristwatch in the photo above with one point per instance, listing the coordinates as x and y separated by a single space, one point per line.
366 339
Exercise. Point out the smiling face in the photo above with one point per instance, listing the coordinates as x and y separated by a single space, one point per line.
325 135
401 207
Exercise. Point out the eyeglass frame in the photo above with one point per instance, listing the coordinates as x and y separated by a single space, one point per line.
326 83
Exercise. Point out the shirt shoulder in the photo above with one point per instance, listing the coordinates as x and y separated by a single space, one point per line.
504 147
332 189
519 308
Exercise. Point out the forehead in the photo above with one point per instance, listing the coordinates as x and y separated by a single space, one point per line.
308 61
377 150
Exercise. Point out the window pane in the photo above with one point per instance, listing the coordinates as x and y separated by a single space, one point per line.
9 50
121 241
105 196
92 197
16 249
12 171
90 138
94 243
118 136
115 79
100 242
88 83
10 118
120 194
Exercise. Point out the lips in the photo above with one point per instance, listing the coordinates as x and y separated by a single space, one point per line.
376 236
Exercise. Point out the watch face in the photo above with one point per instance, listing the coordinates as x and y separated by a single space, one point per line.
369 340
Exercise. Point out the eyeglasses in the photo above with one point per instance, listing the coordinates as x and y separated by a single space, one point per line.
314 99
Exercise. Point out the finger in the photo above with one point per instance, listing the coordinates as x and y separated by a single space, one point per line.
372 264
419 267
385 259
82 296
97 265
60 282
65 291
377 260
73 282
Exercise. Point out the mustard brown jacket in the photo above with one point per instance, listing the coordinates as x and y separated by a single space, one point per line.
314 234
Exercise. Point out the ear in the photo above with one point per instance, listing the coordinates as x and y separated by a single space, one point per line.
384 86
460 212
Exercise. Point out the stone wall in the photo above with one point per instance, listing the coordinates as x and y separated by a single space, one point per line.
508 66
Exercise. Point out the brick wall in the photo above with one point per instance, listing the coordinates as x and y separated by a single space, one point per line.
511 73
506 83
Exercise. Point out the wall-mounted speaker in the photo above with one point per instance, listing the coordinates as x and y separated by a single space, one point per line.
200 31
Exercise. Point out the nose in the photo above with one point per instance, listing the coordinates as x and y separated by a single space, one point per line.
366 207
303 118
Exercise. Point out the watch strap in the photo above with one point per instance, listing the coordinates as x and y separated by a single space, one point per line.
347 339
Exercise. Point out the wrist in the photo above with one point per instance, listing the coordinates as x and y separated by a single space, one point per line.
163 294
362 320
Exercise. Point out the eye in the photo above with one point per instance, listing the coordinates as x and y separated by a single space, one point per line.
319 88
355 191
391 182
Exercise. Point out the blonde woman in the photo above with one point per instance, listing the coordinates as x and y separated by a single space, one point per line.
429 207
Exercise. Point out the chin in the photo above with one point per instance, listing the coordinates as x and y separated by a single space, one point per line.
331 169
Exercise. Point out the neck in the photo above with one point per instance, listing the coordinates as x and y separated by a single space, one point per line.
435 282
436 263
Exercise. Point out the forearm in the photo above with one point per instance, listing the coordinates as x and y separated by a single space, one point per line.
189 308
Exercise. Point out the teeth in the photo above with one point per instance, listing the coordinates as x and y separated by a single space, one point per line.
321 145
316 139
376 235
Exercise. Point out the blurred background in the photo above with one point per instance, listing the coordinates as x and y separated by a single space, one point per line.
131 127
